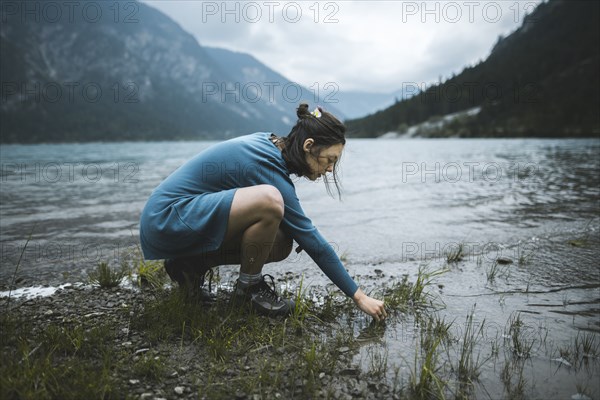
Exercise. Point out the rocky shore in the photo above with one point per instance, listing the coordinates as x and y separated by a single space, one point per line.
85 341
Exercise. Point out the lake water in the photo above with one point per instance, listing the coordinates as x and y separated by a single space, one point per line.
405 203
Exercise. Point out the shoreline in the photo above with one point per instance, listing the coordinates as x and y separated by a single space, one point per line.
81 326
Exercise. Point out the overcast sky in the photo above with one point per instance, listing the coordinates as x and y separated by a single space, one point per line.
374 46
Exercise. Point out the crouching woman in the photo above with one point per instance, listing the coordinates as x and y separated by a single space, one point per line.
235 203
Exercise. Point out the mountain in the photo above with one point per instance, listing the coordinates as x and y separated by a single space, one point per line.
286 94
540 81
282 94
117 71
355 104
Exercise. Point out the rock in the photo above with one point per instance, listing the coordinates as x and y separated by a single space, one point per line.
504 260
179 390
134 381
141 351
580 396
350 372
344 349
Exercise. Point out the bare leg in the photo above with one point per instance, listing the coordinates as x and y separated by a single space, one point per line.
253 228
252 232
230 252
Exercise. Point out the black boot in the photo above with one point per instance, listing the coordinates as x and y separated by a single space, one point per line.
190 275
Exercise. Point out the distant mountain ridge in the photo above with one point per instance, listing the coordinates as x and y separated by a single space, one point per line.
257 80
286 93
73 79
540 81
134 74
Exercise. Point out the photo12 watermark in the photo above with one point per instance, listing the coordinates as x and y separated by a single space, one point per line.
69 92
89 12
270 91
69 172
470 251
50 252
465 11
253 12
466 171
473 92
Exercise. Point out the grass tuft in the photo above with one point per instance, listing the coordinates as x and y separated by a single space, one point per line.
404 295
105 276
455 255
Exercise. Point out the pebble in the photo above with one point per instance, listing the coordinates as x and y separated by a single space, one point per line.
344 349
350 372
179 390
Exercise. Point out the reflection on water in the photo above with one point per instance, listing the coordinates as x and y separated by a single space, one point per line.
405 203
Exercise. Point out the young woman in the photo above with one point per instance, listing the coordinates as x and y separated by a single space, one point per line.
234 203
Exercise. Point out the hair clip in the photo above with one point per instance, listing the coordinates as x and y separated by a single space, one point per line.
317 112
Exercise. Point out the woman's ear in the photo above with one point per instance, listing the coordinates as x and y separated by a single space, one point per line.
308 143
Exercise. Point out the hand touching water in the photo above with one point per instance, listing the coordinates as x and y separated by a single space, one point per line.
369 305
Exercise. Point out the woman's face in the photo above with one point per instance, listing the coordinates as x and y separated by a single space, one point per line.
323 162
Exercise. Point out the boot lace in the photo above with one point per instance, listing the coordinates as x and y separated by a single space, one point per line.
268 290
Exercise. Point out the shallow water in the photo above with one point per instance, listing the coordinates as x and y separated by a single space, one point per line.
406 203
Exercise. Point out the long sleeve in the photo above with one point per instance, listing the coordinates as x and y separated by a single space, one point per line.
302 230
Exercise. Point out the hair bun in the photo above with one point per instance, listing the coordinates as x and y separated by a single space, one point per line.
302 110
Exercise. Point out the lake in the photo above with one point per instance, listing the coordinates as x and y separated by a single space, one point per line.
533 204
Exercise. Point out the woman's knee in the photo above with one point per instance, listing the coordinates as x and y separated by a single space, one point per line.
271 201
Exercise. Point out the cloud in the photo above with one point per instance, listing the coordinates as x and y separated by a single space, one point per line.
360 45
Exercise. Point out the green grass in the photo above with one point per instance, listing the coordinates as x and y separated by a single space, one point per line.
469 365
105 276
426 381
514 380
58 361
455 255
150 274
492 272
519 337
17 266
405 295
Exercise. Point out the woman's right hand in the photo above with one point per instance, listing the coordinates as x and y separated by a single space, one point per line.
369 305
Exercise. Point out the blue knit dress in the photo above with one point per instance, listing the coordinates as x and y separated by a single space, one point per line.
187 213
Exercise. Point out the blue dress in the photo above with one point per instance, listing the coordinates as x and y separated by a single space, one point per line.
187 213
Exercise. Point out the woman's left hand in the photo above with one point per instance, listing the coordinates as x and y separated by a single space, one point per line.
369 305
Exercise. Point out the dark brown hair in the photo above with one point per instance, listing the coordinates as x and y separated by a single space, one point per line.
325 129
